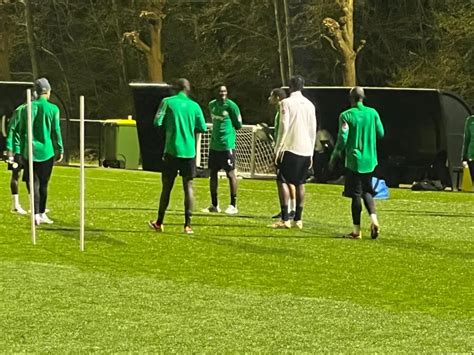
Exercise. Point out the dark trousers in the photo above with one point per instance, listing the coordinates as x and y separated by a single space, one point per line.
42 173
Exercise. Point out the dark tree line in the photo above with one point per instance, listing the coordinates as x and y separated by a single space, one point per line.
96 48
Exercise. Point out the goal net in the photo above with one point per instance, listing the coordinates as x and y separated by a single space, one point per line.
254 156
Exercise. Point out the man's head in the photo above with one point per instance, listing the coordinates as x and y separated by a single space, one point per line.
42 87
222 92
296 83
183 85
356 95
276 95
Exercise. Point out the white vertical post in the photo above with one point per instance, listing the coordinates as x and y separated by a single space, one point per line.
31 181
253 152
198 149
82 172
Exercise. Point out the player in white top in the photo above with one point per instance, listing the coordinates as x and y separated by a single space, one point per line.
294 149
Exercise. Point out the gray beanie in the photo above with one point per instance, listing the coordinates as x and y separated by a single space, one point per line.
42 86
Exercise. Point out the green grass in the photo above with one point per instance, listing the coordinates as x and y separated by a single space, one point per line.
235 285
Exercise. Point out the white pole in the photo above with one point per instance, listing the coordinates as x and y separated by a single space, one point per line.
82 178
198 150
30 165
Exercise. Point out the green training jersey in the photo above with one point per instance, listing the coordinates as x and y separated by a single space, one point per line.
359 128
226 119
46 130
13 139
181 117
468 148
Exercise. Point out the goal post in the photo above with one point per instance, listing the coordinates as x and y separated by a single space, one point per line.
254 157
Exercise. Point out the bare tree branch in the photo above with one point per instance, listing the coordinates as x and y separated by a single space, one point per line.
134 39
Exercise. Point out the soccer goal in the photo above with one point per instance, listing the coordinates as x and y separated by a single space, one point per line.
254 155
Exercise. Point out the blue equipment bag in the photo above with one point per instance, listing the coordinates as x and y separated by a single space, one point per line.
380 188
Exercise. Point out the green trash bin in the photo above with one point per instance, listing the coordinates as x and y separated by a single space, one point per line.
120 144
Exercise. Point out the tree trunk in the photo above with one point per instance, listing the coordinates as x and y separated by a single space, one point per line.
4 48
31 39
280 43
152 52
155 58
289 49
340 35
349 72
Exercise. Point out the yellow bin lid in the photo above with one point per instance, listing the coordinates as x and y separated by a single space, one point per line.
121 122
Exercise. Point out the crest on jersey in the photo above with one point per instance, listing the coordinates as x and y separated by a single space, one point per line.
225 113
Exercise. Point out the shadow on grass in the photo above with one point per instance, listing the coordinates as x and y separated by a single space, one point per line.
250 248
94 235
429 213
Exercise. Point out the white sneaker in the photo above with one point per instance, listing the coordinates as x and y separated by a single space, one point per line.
298 224
231 210
45 219
37 219
19 210
212 209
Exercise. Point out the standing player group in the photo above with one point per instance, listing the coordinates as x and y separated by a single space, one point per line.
295 133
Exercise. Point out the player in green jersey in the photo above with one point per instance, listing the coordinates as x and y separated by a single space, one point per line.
226 119
15 160
181 118
359 129
468 147
47 145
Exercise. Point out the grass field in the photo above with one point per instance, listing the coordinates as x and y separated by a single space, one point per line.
235 285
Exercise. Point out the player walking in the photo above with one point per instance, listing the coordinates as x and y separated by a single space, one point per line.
294 150
181 118
15 161
359 128
47 140
226 119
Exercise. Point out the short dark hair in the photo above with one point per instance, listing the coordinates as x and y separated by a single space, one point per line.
279 92
181 84
296 83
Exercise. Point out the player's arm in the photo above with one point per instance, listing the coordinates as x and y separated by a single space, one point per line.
379 126
57 136
341 138
160 114
235 116
13 132
200 120
467 139
283 128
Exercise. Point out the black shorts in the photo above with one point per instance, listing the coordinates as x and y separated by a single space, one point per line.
222 160
293 168
19 160
186 167
357 183
42 170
